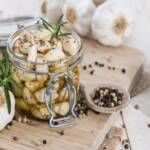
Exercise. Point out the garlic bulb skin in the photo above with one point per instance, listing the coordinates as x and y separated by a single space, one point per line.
52 9
112 22
78 14
5 117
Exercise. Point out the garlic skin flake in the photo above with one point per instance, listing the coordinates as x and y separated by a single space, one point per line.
78 14
5 117
112 22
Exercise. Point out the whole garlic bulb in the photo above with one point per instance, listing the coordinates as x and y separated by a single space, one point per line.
78 14
52 9
5 117
112 22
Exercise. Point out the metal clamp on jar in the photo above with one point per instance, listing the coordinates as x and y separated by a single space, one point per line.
49 88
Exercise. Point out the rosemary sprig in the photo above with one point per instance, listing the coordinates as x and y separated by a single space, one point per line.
6 80
5 77
55 28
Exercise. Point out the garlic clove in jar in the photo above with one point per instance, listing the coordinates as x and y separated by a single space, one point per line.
21 104
78 14
44 47
34 85
32 54
40 112
56 44
55 55
28 97
112 22
63 95
61 109
43 35
5 117
24 49
42 68
40 95
70 46
27 77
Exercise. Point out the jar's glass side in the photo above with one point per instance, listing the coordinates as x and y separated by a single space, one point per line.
30 96
34 82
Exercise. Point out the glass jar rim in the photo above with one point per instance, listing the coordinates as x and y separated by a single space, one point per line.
13 37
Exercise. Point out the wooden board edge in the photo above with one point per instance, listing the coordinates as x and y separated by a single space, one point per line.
102 133
138 75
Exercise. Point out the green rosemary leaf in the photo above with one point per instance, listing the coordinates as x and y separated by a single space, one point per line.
46 27
60 19
46 23
64 34
8 101
63 23
55 28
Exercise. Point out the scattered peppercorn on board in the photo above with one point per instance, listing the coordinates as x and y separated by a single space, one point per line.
121 66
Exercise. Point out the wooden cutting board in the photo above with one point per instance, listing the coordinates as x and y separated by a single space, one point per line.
88 133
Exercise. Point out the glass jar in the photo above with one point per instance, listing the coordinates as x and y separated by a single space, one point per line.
43 94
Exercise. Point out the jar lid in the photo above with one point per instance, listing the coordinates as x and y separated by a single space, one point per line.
10 25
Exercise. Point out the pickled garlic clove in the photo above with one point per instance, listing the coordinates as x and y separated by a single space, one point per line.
42 68
61 109
70 46
21 104
32 54
55 55
24 49
44 35
40 112
28 96
34 85
63 95
24 76
56 44
40 95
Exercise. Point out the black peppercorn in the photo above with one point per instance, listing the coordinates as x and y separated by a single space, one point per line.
90 66
92 72
44 142
15 138
126 146
96 63
84 67
123 71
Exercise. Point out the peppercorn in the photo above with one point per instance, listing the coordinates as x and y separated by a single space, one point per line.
96 63
123 71
84 67
90 66
44 142
92 72
15 138
136 107
61 132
